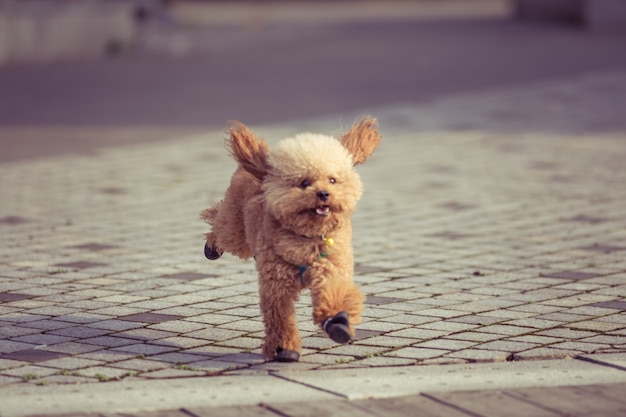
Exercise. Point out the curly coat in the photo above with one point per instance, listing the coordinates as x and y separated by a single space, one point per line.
290 208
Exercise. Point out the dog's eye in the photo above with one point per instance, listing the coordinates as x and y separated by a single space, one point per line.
305 184
332 180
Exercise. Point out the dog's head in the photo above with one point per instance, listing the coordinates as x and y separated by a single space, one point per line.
309 181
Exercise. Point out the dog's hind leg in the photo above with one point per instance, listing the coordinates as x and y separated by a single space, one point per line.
282 339
227 218
211 250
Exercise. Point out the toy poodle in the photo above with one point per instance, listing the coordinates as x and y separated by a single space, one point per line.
290 208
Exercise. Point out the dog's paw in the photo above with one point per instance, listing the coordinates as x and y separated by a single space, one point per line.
283 355
338 327
211 253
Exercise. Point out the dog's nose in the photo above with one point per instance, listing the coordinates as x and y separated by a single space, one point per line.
323 195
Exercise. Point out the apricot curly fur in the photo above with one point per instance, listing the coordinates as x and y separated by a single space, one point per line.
279 207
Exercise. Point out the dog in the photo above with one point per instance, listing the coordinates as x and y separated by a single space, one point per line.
290 208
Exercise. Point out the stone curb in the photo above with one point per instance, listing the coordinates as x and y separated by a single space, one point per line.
145 396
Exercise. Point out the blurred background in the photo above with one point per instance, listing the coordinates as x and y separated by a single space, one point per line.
78 75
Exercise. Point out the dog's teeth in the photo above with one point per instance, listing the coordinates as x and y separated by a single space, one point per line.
322 211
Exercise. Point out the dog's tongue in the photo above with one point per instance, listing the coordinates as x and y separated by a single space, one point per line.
322 210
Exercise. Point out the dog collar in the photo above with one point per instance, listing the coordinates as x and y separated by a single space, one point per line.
329 241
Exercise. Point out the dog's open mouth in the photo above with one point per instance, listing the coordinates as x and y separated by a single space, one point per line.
322 211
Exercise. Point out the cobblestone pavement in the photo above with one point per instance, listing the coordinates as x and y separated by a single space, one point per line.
493 228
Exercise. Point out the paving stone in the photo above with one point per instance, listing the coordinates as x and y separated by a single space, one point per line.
447 344
477 319
448 326
140 365
418 333
73 348
103 373
189 276
145 349
381 326
177 326
83 318
176 357
474 336
532 322
6 297
31 355
106 356
507 346
507 314
562 317
606 339
70 363
383 360
215 334
618 305
596 325
22 318
374 300
361 334
213 319
570 275
9 380
215 366
180 342
356 350
326 359
409 319
315 342
152 318
441 313
566 333
244 358
244 325
115 325
615 318
10 363
43 339
535 339
478 355
52 325
15 331
145 334
213 351
172 373
591 311
419 353
109 341
30 372
387 341
579 300
507 330
579 346
545 353
56 379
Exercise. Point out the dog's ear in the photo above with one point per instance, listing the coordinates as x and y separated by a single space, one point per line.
362 139
249 150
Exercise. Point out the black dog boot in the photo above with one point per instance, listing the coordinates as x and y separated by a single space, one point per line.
283 355
338 327
211 253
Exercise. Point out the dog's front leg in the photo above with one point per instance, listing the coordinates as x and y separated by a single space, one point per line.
337 300
279 291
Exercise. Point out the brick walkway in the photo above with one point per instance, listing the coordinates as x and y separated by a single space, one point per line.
493 228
